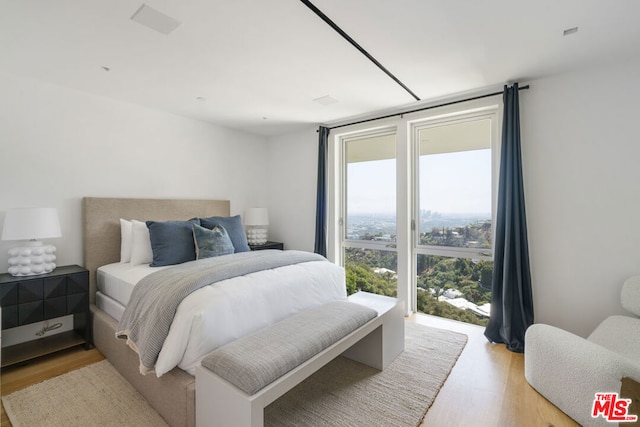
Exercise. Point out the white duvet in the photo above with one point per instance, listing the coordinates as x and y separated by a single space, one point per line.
220 313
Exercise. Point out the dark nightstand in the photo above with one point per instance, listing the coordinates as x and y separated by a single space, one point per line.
268 245
31 299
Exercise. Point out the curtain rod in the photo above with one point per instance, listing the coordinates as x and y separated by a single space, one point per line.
425 108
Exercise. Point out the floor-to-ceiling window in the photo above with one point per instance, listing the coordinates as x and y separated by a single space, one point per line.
450 161
368 221
453 216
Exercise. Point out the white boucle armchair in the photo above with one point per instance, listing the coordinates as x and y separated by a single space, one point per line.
569 370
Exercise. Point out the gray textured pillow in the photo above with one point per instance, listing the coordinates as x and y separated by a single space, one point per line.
210 243
233 225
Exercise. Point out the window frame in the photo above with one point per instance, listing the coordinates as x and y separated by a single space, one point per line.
490 113
345 181
344 241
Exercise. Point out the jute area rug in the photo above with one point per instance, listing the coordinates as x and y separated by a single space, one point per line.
343 393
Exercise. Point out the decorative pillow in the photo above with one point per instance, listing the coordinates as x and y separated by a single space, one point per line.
233 225
141 252
171 242
125 240
210 243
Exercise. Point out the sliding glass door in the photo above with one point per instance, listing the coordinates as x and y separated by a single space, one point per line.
414 210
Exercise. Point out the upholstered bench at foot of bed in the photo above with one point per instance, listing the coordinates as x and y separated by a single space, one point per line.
236 382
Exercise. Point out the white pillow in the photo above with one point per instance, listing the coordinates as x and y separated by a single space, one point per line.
141 252
125 240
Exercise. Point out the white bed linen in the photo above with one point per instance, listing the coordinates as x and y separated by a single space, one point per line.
118 279
110 306
218 314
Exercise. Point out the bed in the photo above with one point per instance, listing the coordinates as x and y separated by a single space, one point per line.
172 393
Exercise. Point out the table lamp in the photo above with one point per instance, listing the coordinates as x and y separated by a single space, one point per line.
31 224
256 221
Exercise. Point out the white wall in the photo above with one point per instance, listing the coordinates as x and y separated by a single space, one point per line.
582 185
293 166
58 145
581 152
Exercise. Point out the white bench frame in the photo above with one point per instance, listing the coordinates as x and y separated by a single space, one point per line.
376 343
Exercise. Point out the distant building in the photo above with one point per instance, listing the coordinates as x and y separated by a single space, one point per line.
381 270
451 293
483 311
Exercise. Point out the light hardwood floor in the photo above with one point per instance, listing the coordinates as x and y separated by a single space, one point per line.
486 386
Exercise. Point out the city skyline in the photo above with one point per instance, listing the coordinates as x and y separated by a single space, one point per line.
450 183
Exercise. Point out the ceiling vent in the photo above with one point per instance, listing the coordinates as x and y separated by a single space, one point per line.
154 19
326 100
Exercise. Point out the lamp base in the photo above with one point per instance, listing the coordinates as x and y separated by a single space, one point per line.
256 235
32 259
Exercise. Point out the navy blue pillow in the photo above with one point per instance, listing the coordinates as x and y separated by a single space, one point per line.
233 225
171 242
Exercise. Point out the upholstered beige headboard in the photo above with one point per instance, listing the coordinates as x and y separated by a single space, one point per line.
101 223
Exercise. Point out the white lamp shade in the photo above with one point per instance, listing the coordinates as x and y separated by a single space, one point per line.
256 216
31 223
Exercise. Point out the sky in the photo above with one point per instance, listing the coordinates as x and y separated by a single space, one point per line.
457 182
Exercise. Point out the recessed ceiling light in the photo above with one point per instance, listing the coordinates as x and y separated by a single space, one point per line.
570 31
154 19
326 100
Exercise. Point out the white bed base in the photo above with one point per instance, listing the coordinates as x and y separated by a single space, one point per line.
377 343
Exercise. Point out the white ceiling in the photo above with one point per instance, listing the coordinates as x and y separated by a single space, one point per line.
260 64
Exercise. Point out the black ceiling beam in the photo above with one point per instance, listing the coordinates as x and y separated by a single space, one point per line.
355 44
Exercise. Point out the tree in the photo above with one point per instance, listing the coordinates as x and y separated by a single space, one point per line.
435 274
